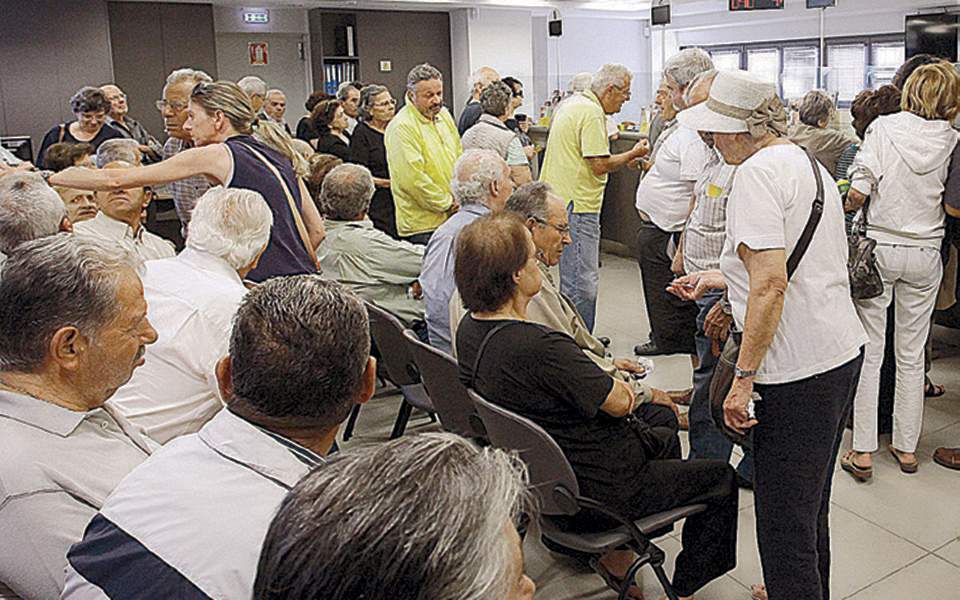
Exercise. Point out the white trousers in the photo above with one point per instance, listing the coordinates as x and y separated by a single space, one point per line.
911 277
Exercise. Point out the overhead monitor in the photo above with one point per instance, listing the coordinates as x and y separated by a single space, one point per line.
934 34
660 15
19 145
555 28
738 5
821 3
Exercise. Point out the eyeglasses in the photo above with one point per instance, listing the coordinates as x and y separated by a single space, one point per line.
120 96
518 94
385 103
162 105
561 229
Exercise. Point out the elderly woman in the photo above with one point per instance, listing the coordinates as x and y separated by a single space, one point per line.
902 167
815 134
330 122
622 454
90 107
801 345
377 108
490 132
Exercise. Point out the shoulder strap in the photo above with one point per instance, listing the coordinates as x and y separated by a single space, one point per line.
63 131
816 212
483 346
297 217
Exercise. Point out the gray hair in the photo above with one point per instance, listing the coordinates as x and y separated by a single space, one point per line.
422 72
609 75
495 99
426 513
54 282
580 82
118 149
299 351
473 173
232 224
274 91
346 192
367 94
530 201
344 89
683 66
816 106
477 77
29 209
253 86
89 99
194 76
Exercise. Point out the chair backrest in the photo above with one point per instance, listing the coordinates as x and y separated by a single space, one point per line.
387 333
550 472
441 377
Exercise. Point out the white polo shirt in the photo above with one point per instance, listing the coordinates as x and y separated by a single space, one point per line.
145 244
665 192
768 208
191 300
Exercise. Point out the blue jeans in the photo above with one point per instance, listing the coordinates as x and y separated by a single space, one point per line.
706 440
580 264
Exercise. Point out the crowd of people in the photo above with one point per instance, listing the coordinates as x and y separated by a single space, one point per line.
169 421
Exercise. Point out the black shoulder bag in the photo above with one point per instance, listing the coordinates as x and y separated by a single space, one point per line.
723 373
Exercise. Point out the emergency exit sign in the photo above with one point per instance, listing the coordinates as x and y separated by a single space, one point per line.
256 16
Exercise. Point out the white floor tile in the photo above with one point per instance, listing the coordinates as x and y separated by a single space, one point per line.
950 552
929 578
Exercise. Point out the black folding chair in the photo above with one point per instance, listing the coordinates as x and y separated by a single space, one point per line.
555 485
399 368
441 377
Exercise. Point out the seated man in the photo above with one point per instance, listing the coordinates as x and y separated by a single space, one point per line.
120 221
29 209
377 267
72 329
190 522
341 534
119 149
191 299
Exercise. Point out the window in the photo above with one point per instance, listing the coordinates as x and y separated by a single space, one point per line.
885 59
726 60
765 64
799 70
847 70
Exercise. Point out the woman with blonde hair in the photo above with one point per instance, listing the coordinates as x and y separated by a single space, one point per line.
235 150
898 179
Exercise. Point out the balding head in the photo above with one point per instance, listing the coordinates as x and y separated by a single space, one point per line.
346 192
481 78
118 101
481 177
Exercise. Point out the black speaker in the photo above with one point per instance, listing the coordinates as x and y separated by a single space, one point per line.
660 15
555 28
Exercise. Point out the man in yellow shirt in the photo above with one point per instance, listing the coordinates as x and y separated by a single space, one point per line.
576 165
422 145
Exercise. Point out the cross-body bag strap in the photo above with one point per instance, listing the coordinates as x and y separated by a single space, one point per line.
297 217
483 346
63 133
816 212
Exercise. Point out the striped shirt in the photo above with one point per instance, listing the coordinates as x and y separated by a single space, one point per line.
187 191
705 230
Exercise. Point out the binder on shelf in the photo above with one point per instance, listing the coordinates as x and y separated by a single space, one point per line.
350 47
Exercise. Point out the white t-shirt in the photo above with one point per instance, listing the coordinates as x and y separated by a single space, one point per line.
768 208
664 193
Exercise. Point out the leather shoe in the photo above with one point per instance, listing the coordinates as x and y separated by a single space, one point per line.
604 340
648 348
947 457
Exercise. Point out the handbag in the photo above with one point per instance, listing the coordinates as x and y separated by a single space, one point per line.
865 280
723 373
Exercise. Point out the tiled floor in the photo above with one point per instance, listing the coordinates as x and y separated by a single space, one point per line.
896 538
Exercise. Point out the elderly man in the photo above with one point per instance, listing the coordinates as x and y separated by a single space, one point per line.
120 221
129 127
173 107
119 150
29 209
481 184
349 96
343 533
275 107
664 199
255 89
191 300
479 80
815 134
422 144
377 267
576 165
491 131
190 522
63 450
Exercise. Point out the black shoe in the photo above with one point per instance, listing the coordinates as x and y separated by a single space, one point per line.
604 340
648 348
743 482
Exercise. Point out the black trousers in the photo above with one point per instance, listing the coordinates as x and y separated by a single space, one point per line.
673 322
420 239
795 450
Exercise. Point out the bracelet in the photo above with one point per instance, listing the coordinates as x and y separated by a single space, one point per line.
46 174
742 374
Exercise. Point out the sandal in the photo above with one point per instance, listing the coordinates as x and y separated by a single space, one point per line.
858 472
613 582
906 467
758 591
933 390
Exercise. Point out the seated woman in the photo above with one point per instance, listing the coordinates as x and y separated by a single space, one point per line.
623 455
330 123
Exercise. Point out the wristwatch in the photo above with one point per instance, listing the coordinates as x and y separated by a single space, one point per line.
46 174
741 374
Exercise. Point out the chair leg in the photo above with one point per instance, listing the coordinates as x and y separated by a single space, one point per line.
657 565
631 577
351 422
402 417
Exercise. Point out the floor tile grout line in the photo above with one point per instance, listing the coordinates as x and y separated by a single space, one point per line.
943 557
875 524
888 575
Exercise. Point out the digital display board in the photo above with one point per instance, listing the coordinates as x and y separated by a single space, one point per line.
755 4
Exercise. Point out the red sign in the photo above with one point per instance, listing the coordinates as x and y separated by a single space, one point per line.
258 53
755 4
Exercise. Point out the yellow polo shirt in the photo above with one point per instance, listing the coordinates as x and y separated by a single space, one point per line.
578 132
420 155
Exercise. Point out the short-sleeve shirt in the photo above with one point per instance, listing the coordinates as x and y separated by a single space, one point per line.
543 375
53 136
768 208
578 132
664 193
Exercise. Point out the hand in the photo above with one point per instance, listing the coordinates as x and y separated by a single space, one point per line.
416 290
630 366
663 399
694 285
717 323
735 406
854 200
640 149
530 151
23 167
676 265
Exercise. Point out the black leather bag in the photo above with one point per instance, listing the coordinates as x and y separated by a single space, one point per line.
865 280
723 373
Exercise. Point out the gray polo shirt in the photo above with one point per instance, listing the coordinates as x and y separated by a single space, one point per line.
57 467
